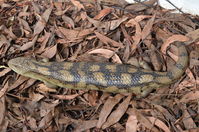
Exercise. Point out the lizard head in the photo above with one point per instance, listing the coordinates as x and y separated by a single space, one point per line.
20 65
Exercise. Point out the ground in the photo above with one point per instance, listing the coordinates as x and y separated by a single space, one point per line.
110 31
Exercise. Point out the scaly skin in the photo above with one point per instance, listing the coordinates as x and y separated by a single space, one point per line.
106 77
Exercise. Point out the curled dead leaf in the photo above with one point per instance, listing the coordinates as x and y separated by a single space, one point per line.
107 54
172 39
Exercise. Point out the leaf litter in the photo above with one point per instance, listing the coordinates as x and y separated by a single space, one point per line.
106 30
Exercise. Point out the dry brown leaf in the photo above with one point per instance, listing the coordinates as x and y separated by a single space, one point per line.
4 45
36 7
25 25
107 54
107 40
47 107
3 40
194 58
50 52
140 6
4 124
11 34
78 4
194 54
107 108
186 83
4 5
131 124
191 130
32 123
116 115
93 98
29 44
186 28
155 58
134 62
73 35
70 23
3 90
192 95
103 13
61 12
172 39
43 40
46 120
107 26
194 62
85 125
112 25
35 96
166 113
58 5
4 72
139 34
127 42
137 37
187 118
75 54
59 8
27 84
190 74
127 53
66 97
147 28
132 22
3 109
65 120
40 25
17 83
42 88
80 125
23 14
144 121
47 13
162 35
159 123
194 35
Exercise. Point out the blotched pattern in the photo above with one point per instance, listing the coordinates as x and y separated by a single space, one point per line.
107 77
